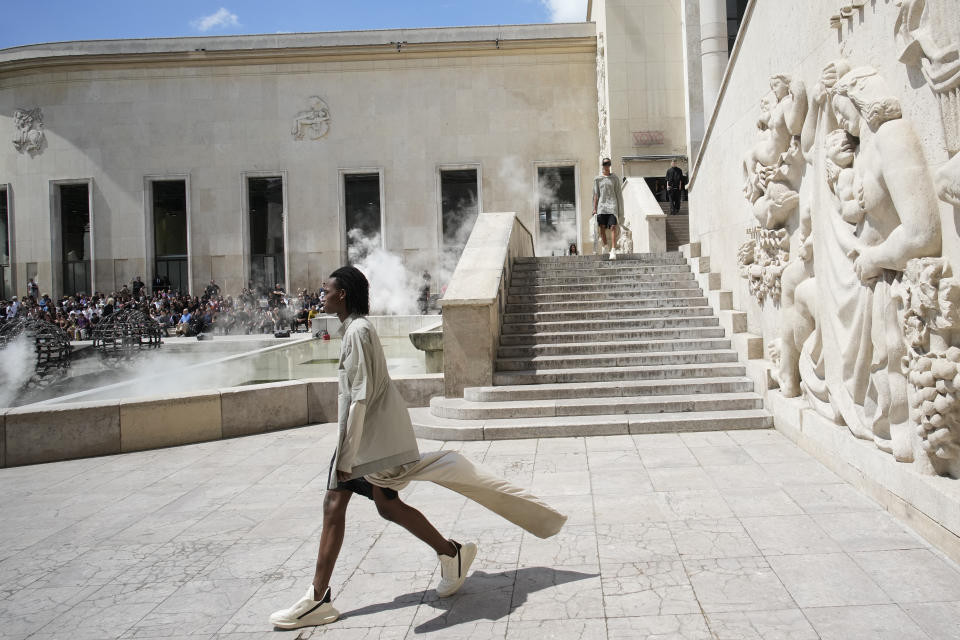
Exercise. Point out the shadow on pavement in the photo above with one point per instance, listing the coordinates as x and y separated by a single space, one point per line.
484 596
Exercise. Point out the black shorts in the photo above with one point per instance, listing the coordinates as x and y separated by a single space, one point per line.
606 220
360 486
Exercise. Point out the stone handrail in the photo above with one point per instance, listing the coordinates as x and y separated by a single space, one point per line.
645 217
475 299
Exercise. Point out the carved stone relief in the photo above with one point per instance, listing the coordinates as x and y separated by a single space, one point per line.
603 112
869 210
30 137
762 259
930 299
845 11
925 42
772 168
625 238
312 123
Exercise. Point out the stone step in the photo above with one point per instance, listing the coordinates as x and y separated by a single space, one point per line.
620 346
620 275
675 307
681 386
650 321
693 331
608 288
604 305
667 359
667 290
429 426
611 325
461 409
609 374
588 305
606 270
561 261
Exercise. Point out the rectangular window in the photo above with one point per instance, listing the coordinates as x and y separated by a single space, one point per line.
6 277
265 204
556 210
459 206
75 237
169 206
362 214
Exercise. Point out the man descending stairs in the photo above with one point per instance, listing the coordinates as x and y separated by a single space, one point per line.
591 346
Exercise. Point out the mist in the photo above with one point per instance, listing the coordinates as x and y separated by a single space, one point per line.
18 361
393 288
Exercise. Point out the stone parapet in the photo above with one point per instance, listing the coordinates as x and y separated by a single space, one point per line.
475 299
265 407
61 432
48 433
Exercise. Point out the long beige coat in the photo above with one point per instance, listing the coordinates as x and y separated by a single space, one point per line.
375 432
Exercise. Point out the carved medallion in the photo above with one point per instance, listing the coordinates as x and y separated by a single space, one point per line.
312 123
30 137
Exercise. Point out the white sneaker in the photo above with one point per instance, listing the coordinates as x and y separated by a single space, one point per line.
613 253
453 570
307 612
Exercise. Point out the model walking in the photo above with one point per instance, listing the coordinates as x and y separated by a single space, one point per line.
607 206
377 454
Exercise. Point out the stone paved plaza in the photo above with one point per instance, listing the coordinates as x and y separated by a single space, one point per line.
732 535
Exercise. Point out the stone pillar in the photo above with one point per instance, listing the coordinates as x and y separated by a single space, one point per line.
713 51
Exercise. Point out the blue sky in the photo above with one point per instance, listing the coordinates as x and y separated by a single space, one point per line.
60 20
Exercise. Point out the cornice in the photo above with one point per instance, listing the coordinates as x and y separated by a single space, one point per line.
300 48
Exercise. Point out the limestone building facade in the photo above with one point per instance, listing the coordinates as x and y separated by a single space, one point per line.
254 157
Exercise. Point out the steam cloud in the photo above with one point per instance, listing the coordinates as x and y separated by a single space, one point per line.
556 238
17 363
393 289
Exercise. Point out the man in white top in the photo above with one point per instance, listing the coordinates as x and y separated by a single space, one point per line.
607 206
376 435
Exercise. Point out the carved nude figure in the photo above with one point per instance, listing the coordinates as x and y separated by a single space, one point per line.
872 213
312 123
772 168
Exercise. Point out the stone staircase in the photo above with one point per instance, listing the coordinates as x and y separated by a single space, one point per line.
591 346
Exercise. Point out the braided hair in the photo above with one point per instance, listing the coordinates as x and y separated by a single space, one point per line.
356 288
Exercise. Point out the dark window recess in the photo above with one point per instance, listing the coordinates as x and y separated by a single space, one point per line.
265 201
75 237
6 279
170 233
557 210
458 211
361 200
735 12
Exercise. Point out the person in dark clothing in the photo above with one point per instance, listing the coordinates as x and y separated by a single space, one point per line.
676 182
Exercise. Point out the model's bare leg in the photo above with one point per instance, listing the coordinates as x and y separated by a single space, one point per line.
613 236
603 236
331 538
396 510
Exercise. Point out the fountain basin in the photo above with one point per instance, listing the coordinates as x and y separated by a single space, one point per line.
430 341
50 432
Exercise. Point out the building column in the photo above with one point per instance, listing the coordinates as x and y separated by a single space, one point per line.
713 51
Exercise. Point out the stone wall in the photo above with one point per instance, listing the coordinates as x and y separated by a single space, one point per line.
499 99
825 195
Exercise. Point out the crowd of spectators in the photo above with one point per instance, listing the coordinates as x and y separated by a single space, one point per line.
255 310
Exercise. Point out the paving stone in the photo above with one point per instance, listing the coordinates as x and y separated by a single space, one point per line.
741 551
